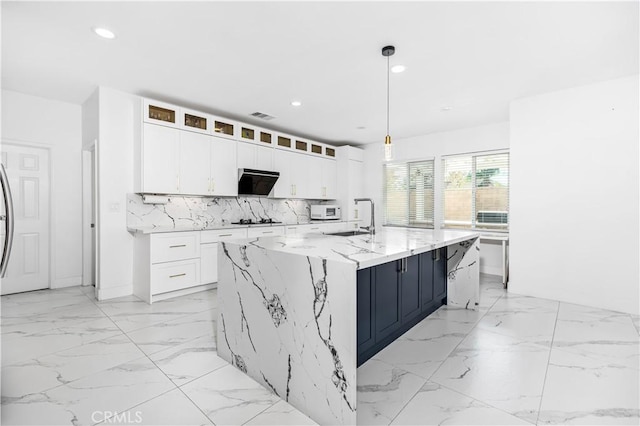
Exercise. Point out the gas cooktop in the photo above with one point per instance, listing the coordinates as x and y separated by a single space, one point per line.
252 222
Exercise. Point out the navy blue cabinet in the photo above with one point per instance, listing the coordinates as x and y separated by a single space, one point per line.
426 281
387 302
440 273
366 302
410 288
395 296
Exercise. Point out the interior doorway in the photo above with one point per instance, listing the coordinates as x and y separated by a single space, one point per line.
89 224
27 168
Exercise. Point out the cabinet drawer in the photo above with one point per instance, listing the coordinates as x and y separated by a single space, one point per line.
175 246
172 276
267 231
222 234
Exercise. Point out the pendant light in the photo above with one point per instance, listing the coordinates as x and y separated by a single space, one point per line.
388 147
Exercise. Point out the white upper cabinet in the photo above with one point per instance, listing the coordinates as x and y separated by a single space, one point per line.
188 152
253 156
160 159
329 185
160 113
195 163
264 158
224 128
195 121
224 169
282 161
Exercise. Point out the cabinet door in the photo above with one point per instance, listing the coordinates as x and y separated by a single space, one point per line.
246 155
365 314
264 158
301 175
224 168
160 159
387 299
209 263
283 161
410 289
329 180
195 163
426 279
313 183
355 189
440 274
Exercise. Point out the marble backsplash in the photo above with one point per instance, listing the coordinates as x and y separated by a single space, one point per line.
203 212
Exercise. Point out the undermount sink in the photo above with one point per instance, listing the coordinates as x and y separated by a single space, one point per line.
348 233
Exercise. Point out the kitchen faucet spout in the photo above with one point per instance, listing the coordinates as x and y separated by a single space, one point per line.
372 227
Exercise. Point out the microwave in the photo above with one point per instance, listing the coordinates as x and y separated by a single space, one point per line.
325 211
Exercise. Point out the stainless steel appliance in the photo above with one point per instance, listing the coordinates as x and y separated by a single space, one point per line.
325 211
256 182
8 219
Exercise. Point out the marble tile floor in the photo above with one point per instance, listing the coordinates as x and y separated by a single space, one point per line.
68 359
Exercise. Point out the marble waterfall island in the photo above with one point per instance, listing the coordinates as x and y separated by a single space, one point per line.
294 311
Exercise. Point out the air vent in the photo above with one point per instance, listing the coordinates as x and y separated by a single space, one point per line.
262 115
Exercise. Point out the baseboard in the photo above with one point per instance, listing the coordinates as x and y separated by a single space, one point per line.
491 270
113 292
66 282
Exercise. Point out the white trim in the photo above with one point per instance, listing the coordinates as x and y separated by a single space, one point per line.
478 153
183 292
66 282
113 292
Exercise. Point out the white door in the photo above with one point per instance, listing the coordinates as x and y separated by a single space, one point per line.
28 172
195 163
224 168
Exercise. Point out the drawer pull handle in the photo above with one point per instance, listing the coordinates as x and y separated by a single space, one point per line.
178 245
267 232
225 235
314 228
177 275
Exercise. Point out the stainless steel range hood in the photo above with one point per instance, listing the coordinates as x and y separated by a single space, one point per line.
256 182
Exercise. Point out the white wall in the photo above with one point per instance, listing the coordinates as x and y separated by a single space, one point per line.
435 145
119 128
574 199
55 125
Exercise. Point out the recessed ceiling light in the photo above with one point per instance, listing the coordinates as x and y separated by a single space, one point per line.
446 108
296 103
398 68
104 33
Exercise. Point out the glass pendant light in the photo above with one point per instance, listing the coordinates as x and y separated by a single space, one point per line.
388 147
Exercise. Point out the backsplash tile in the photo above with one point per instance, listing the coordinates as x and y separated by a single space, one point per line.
199 212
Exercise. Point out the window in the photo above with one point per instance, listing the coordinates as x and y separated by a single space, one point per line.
476 191
408 194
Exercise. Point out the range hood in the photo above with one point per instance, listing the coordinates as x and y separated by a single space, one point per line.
256 182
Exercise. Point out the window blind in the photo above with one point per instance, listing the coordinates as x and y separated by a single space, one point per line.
476 191
409 195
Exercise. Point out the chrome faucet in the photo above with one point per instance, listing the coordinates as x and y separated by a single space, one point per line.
371 228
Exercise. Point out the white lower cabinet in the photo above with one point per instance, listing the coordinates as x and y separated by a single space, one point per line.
209 244
172 276
265 231
319 227
176 263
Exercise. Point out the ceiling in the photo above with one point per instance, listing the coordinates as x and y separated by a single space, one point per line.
235 58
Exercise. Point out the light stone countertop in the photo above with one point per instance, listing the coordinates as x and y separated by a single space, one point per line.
388 244
163 229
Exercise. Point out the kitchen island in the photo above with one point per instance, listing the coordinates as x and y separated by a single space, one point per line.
299 313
